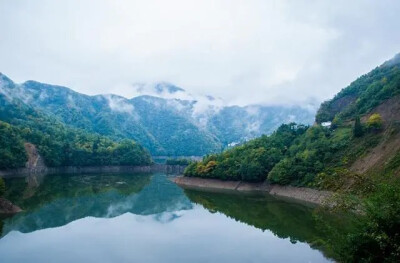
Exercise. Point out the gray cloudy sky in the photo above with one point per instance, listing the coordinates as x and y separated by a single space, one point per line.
271 52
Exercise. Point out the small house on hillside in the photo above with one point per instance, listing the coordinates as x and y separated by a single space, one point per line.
326 124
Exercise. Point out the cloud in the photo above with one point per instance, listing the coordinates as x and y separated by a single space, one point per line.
119 104
269 52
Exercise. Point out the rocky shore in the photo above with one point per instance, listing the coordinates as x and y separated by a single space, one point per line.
299 193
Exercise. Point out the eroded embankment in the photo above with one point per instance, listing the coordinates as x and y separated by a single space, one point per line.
299 193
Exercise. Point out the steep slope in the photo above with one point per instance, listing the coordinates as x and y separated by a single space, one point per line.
364 94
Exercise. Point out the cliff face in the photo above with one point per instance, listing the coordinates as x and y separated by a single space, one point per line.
35 161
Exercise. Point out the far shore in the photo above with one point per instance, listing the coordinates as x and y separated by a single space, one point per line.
308 195
154 168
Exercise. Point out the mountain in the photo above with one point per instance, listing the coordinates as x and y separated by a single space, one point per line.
360 136
168 122
59 144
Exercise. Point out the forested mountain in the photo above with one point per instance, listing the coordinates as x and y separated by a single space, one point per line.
59 144
364 138
164 125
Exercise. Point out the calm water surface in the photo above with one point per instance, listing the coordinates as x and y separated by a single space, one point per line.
147 218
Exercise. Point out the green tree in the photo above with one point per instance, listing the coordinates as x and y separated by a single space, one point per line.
357 129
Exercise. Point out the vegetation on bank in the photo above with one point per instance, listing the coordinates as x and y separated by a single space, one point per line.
251 161
377 236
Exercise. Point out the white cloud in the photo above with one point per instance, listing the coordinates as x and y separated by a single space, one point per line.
271 52
119 104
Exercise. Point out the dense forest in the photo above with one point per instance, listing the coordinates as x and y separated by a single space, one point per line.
251 161
59 144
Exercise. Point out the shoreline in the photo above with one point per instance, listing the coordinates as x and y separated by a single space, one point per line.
162 168
304 194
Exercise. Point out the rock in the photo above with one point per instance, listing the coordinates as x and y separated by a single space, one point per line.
6 207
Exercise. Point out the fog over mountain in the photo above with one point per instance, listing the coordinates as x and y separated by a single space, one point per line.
169 121
260 52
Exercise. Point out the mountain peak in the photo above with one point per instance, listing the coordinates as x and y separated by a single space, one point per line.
163 87
157 89
392 62
4 79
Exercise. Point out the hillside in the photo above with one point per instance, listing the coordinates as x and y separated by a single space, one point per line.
59 144
330 158
162 123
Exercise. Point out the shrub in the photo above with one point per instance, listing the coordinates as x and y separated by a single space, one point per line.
375 121
377 239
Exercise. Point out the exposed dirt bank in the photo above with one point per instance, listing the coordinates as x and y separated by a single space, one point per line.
300 193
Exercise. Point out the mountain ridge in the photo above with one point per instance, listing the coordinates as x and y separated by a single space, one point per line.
166 126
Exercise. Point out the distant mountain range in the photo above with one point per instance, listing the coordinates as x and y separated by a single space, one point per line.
169 121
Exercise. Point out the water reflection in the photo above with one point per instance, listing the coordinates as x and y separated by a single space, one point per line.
61 199
147 218
285 219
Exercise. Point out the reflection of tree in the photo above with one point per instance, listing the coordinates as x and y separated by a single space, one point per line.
56 200
284 219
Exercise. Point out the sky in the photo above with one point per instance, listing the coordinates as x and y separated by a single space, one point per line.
269 52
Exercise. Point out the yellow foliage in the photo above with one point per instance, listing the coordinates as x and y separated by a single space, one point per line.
375 121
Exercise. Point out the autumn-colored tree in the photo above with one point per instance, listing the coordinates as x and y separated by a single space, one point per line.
375 121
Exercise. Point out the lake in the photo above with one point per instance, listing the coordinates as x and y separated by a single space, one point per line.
147 218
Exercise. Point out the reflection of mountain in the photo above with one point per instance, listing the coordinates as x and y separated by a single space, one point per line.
284 219
62 199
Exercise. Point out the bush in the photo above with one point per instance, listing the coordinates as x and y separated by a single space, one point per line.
377 239
375 121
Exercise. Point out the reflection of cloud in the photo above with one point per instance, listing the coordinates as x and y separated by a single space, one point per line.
167 217
136 238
